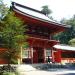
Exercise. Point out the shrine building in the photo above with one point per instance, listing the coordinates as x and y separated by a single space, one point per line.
40 30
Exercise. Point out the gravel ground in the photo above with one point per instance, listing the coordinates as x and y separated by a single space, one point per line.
30 70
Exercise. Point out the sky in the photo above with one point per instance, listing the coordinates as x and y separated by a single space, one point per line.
60 8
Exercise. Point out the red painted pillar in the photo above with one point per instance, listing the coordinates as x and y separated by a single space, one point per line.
31 54
35 55
57 56
52 55
44 55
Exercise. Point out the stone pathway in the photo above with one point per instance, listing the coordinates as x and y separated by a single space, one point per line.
30 70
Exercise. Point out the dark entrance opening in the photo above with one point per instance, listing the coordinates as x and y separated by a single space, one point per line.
38 55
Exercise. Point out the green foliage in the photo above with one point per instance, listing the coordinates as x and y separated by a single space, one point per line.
45 10
3 9
12 34
14 61
68 34
72 42
8 73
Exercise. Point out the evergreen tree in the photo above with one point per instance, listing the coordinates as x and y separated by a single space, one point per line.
45 10
3 9
72 42
13 36
68 34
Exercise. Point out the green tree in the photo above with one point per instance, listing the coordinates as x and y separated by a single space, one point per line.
72 42
3 9
68 34
45 10
12 34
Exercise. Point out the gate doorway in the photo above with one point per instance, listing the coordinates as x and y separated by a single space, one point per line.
38 55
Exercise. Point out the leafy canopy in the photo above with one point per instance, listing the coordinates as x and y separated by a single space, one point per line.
69 34
72 42
45 10
3 9
12 34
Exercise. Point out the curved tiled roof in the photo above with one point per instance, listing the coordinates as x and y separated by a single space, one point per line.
34 14
63 47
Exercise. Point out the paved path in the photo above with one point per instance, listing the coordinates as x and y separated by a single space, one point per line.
47 73
29 70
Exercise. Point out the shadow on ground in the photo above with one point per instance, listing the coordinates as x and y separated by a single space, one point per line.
69 74
49 66
53 67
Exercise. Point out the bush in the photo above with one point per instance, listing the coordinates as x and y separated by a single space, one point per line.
8 73
14 61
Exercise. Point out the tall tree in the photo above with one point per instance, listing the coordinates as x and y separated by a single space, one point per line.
3 9
12 35
45 10
72 42
69 34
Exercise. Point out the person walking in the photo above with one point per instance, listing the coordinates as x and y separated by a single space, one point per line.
48 59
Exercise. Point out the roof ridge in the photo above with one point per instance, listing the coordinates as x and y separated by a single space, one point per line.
13 3
47 19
